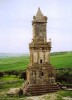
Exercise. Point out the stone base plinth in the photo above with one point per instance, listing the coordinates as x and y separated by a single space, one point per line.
39 89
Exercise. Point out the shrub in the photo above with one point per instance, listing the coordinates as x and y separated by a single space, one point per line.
1 74
64 76
23 75
20 92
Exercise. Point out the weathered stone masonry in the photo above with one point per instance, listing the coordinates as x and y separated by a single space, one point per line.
40 73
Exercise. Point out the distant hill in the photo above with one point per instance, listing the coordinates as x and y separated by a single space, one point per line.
21 61
5 55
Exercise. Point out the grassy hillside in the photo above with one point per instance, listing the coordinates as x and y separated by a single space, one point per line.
58 60
14 63
63 60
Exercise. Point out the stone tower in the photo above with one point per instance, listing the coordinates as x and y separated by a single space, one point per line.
40 73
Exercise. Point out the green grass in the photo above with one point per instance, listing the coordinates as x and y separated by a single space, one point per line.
9 82
14 63
65 93
8 78
12 84
58 60
4 88
62 93
62 60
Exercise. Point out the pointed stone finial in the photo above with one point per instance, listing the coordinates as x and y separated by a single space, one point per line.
39 17
39 14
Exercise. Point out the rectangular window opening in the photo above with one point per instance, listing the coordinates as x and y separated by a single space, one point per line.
40 60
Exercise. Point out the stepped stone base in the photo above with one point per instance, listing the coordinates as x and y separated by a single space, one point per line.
39 89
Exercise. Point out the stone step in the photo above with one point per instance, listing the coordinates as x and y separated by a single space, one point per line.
43 86
41 89
30 89
41 92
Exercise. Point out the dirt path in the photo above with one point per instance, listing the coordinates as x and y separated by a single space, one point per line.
51 96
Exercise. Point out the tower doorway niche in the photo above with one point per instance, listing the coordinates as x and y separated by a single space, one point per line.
40 61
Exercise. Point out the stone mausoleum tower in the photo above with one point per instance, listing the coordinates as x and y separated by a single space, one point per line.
40 73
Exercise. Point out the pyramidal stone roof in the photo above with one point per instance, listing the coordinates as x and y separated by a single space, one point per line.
39 14
39 17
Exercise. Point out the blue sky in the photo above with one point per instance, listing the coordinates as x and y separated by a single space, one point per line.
16 26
